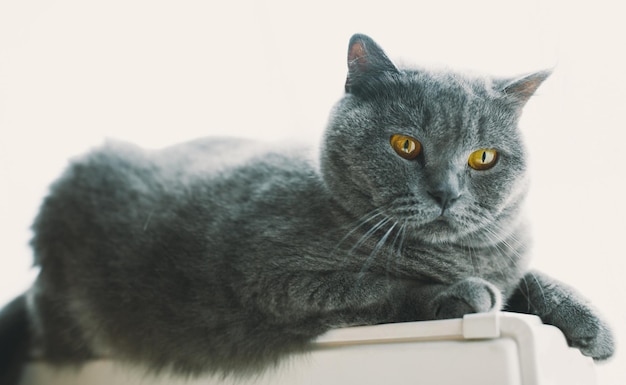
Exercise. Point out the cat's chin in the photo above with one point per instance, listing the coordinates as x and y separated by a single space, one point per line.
440 230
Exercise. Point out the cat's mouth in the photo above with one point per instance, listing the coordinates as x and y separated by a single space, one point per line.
442 229
430 221
443 222
437 226
420 217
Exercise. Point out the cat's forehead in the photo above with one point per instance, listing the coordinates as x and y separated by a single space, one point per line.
448 89
446 105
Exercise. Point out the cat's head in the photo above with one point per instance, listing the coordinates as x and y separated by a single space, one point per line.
437 152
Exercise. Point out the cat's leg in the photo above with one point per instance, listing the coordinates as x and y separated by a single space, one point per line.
341 297
560 305
344 298
57 335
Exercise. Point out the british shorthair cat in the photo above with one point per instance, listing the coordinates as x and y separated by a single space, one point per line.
224 255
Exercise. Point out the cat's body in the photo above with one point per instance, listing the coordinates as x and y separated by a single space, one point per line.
224 255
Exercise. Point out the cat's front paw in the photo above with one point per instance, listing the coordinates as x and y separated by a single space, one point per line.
562 306
583 329
471 295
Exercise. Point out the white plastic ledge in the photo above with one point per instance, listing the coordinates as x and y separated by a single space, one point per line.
485 348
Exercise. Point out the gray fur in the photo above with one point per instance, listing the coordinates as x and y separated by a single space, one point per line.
223 255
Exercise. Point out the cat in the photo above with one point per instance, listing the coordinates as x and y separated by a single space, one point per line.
226 255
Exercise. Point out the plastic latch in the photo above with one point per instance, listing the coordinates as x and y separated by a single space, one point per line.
481 325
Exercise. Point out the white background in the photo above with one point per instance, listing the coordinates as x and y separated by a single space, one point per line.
160 72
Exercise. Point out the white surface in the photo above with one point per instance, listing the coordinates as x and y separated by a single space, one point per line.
500 349
158 72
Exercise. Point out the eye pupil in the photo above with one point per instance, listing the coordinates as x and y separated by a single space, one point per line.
483 159
406 146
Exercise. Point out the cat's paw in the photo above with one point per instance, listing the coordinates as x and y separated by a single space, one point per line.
583 329
562 306
471 295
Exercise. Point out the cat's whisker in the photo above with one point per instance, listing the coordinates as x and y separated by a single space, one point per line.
495 244
472 259
364 220
369 233
500 241
394 252
515 239
376 249
402 236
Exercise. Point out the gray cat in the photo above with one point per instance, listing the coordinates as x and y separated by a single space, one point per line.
224 255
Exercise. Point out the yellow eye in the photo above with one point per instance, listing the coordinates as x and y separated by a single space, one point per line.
405 146
483 159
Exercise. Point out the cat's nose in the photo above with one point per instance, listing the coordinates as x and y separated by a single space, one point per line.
445 198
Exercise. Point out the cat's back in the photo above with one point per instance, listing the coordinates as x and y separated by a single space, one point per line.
120 192
116 168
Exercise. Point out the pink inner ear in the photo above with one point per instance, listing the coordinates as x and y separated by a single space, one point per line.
357 54
526 88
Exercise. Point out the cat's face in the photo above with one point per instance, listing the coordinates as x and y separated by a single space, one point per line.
437 153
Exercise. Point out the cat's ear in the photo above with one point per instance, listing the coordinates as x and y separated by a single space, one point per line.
519 90
365 59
